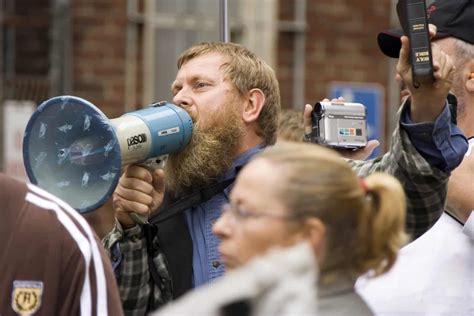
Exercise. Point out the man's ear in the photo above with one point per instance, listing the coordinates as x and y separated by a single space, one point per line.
253 106
470 83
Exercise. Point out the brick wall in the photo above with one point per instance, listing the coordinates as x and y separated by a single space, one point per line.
341 45
98 53
31 21
25 50
99 40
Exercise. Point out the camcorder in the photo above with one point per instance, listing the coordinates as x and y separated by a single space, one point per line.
339 124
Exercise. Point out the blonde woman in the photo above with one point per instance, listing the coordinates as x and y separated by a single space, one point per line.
294 192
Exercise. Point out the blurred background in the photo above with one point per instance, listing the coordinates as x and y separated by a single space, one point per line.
121 54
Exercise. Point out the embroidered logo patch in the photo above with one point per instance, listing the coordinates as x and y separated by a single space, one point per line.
26 296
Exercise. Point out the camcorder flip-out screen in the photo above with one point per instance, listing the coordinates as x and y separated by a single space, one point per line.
414 22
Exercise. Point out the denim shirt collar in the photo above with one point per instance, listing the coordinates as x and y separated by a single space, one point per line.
238 163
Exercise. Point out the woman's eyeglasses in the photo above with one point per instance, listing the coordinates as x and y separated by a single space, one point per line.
243 214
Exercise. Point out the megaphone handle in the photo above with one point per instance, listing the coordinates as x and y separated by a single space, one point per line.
151 164
155 163
139 218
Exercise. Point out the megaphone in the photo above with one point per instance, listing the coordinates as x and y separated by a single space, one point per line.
72 150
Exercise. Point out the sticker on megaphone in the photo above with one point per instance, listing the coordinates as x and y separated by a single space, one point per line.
72 150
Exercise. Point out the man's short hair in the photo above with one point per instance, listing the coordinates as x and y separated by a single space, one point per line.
246 71
291 126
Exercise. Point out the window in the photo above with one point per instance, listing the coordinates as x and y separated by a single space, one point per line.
171 26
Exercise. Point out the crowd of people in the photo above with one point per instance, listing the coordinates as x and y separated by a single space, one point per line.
250 220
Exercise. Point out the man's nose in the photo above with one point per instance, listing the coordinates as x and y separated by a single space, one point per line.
182 98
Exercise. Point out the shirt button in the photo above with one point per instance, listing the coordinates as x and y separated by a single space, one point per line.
216 264
426 135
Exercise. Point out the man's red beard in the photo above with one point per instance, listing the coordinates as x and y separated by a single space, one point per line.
210 153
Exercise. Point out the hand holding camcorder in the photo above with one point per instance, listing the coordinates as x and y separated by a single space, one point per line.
342 125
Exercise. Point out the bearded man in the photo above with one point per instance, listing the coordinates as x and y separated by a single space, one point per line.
234 100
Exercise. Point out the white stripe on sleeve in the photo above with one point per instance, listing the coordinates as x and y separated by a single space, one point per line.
101 306
81 241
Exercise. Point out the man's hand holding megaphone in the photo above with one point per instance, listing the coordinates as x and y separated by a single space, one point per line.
139 191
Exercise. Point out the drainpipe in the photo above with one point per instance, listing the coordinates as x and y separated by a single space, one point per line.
224 34
299 69
60 70
134 18
298 27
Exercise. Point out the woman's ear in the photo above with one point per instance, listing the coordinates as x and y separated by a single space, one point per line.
253 106
315 232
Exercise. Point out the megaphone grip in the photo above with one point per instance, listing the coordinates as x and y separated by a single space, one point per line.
151 165
139 218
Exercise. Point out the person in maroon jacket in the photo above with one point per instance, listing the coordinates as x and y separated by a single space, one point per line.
51 262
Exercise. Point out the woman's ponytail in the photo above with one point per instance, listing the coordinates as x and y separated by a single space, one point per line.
385 222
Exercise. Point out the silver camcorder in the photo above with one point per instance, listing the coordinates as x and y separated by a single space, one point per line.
339 124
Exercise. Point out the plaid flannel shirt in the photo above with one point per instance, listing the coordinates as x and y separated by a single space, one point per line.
131 270
425 187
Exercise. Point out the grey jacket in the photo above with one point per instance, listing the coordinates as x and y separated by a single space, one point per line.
338 298
281 283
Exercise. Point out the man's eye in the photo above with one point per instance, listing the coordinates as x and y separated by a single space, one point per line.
200 85
175 91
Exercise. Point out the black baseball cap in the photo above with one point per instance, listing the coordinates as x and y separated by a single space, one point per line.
453 18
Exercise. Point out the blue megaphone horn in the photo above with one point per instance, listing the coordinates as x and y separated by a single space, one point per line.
72 150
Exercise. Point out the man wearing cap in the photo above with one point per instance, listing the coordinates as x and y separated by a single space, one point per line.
434 274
